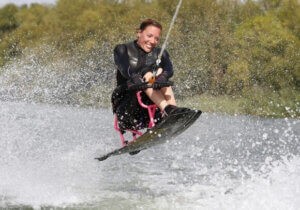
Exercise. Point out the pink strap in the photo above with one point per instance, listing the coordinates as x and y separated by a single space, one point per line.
151 109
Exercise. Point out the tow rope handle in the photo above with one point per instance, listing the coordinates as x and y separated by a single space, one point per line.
152 79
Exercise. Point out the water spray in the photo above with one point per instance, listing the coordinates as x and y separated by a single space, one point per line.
165 42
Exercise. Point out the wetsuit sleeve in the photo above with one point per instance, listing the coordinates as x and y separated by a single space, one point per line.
122 60
166 64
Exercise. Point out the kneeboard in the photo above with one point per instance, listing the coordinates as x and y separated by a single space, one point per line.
169 128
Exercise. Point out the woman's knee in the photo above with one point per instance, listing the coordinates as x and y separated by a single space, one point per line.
169 95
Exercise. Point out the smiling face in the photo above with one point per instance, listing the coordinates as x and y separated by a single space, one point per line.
148 38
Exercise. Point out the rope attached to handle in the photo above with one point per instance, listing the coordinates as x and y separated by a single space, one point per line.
152 80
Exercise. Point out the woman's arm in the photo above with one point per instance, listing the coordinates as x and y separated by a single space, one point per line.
122 60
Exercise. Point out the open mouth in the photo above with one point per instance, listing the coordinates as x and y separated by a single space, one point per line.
149 46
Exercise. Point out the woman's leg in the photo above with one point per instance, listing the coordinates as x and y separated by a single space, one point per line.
161 98
169 95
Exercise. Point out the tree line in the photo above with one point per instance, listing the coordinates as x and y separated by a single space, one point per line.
218 47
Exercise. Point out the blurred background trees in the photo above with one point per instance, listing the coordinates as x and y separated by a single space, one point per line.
218 47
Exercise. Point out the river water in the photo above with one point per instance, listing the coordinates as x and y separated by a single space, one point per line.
222 162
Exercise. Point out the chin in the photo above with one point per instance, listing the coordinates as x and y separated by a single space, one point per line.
147 50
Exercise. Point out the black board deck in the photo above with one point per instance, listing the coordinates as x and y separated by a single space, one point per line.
169 128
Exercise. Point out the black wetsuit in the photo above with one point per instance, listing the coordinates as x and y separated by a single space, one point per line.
130 59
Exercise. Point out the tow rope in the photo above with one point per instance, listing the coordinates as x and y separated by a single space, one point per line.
165 42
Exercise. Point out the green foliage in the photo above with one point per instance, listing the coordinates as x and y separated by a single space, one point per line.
269 4
31 26
205 38
270 52
237 76
241 12
8 19
289 15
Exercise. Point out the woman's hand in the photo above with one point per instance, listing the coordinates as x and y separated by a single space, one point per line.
135 82
159 71
149 74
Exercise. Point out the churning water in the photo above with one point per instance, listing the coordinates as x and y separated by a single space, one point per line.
222 162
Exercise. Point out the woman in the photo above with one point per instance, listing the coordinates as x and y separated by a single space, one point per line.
135 62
